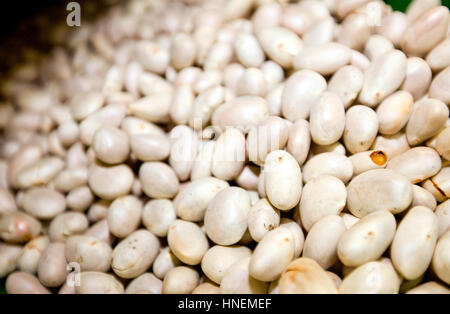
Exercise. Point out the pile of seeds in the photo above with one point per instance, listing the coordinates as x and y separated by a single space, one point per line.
232 146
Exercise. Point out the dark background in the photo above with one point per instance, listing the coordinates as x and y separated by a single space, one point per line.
20 23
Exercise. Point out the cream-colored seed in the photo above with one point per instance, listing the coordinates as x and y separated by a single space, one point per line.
322 240
299 140
191 203
262 218
428 117
442 212
135 254
331 163
187 241
327 119
103 180
414 242
52 266
90 253
368 160
302 90
43 203
158 180
80 198
441 258
67 224
31 253
418 77
443 143
280 44
392 145
282 180
124 215
111 145
150 147
437 57
92 282
314 204
158 215
272 254
229 155
347 83
237 280
242 112
393 192
146 283
180 280
248 50
430 287
218 259
304 275
393 113
422 197
367 240
24 283
18 227
183 148
417 164
270 134
164 262
226 216
426 31
357 281
8 258
324 58
383 77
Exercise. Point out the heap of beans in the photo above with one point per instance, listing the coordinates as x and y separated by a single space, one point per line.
232 146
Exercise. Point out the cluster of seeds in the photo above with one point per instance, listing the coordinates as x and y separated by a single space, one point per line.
232 146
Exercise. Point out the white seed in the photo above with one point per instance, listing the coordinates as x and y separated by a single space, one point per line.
272 254
91 254
43 203
367 239
315 204
262 218
135 254
417 164
191 203
393 192
124 215
383 77
324 58
347 82
187 241
327 119
418 77
301 91
280 44
331 163
372 278
158 180
282 180
304 275
414 242
218 259
428 117
394 112
226 216
322 240
237 280
103 180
